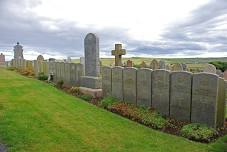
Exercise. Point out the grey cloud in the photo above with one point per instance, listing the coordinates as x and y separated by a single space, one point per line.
202 26
187 37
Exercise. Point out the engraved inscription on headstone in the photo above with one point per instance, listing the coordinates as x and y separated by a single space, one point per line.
117 82
205 100
144 87
129 86
160 91
180 95
106 81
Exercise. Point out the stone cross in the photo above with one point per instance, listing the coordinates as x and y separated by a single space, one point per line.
118 52
18 51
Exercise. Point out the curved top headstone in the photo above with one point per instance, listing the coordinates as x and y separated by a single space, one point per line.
154 64
40 58
209 68
91 51
177 67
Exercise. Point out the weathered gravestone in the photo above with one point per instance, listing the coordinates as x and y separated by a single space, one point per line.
162 64
180 95
58 71
18 51
29 65
208 100
40 58
168 67
177 67
52 59
219 73
106 81
69 60
73 74
92 64
209 68
225 75
2 59
62 71
52 71
76 71
160 91
129 63
144 87
117 82
82 62
67 74
35 66
91 46
154 64
143 64
184 66
129 85
118 52
45 68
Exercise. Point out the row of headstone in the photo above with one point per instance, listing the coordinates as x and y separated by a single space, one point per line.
181 95
21 63
70 73
155 64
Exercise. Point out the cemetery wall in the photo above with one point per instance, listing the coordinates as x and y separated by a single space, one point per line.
197 98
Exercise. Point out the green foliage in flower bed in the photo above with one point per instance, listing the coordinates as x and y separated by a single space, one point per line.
144 116
198 132
86 97
108 102
42 76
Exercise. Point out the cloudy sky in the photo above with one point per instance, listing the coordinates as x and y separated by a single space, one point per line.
155 28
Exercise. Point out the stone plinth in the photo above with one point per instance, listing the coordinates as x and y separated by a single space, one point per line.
95 93
91 82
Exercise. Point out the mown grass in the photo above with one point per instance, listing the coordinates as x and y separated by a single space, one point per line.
35 116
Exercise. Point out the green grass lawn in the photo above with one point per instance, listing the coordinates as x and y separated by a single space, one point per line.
35 116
